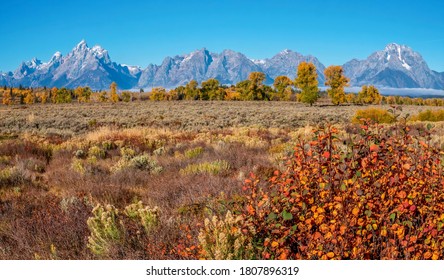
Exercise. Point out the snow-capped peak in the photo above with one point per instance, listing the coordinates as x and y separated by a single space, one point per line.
35 62
82 44
99 52
285 51
132 69
258 61
57 54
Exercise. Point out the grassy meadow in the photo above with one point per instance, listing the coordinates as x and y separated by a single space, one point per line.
218 180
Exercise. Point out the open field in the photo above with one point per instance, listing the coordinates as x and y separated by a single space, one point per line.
139 180
74 119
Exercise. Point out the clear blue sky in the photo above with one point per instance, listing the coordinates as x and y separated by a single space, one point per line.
143 32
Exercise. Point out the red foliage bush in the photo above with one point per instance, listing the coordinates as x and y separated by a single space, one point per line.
376 195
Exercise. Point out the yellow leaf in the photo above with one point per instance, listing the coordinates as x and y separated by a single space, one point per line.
274 244
435 256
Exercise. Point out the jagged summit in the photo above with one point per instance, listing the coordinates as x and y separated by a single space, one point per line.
396 66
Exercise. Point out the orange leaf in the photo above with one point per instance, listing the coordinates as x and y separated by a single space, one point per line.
406 166
330 254
283 256
342 229
374 148
317 235
427 255
326 154
274 244
250 210
402 194
355 211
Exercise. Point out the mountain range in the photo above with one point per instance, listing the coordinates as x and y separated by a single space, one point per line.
397 66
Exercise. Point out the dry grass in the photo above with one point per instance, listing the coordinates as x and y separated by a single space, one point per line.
59 161
67 120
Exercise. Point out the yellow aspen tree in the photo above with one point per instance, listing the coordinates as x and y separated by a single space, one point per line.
29 97
7 97
114 95
282 86
54 93
307 82
335 79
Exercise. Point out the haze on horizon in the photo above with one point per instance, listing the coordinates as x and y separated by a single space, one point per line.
144 32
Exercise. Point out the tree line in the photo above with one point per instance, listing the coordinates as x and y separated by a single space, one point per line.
304 88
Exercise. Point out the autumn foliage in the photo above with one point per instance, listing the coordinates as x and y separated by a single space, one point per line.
378 194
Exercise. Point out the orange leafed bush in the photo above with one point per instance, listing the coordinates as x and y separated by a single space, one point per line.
378 195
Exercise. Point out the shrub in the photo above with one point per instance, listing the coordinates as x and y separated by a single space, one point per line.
380 197
374 114
127 153
224 240
149 218
104 229
213 168
11 177
79 154
109 229
97 152
430 116
142 162
192 153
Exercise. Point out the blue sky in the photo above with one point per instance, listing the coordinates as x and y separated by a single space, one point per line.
143 32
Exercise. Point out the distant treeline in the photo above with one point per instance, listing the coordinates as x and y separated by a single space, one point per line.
303 89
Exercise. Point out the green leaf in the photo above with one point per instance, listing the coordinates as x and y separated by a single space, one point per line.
286 215
408 223
272 216
392 217
368 213
429 126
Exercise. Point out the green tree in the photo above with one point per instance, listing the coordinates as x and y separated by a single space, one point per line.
63 96
127 96
242 88
256 86
191 90
335 79
83 94
180 91
211 90
307 82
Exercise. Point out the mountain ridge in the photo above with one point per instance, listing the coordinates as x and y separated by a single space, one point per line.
396 66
